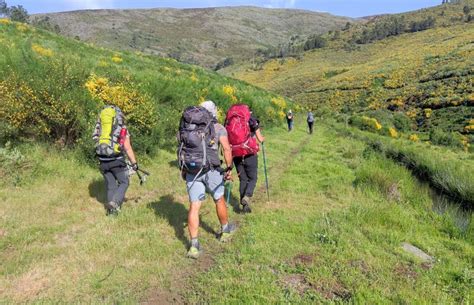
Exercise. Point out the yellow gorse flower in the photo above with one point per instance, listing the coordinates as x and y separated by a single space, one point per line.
428 112
41 50
117 59
229 90
21 27
372 123
138 108
393 132
414 138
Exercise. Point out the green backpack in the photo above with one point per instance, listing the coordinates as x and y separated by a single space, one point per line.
107 132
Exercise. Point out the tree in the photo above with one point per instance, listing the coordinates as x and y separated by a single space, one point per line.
16 13
3 8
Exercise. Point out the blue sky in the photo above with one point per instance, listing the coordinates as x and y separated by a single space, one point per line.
352 8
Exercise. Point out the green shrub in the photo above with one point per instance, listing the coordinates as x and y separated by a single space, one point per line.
451 139
401 122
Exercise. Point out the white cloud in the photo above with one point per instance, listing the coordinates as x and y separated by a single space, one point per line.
89 4
281 4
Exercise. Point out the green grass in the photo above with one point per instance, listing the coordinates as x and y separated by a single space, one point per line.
446 170
329 233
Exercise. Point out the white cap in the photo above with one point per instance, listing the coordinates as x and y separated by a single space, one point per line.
211 107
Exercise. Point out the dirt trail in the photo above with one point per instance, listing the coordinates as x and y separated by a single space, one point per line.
181 280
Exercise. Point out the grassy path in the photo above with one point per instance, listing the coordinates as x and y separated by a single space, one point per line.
331 232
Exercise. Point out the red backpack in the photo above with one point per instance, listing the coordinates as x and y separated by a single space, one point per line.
238 129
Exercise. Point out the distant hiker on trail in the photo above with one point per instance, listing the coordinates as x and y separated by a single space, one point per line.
289 120
112 140
244 132
199 137
310 121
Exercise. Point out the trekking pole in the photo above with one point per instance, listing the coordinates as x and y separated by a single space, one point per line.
265 170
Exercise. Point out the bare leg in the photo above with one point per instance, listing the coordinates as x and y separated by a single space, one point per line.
221 210
193 219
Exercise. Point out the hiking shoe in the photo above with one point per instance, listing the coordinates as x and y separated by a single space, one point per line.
113 212
194 252
246 204
227 234
111 205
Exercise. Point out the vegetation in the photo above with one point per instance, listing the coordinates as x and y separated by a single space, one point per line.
152 92
343 201
230 32
423 76
15 13
332 232
449 172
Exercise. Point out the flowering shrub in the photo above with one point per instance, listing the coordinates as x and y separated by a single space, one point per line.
414 138
372 123
428 112
393 132
138 109
230 91
470 128
117 59
41 50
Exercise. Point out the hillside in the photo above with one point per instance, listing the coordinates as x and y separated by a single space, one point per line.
422 76
202 36
51 89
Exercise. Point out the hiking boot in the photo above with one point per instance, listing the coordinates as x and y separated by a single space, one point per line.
246 204
227 234
194 252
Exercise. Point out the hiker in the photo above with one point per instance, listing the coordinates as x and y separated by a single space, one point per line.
112 140
199 137
289 120
310 121
244 134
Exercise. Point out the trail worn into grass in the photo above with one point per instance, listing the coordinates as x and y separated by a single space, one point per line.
181 282
333 233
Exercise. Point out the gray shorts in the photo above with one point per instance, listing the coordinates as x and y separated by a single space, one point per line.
212 182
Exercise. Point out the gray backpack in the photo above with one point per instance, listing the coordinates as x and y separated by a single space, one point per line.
310 117
197 138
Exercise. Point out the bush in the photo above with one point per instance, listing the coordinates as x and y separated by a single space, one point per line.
402 122
451 139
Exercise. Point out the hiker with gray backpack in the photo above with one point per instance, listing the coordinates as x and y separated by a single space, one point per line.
112 145
199 138
310 120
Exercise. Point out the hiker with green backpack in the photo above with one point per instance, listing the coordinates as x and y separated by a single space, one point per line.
112 144
199 138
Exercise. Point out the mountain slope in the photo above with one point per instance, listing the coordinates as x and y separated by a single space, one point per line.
426 75
203 36
66 82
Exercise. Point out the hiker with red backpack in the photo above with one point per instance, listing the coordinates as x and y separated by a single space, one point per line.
199 137
244 136
112 141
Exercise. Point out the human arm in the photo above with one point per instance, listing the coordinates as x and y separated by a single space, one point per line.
129 151
259 136
227 151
